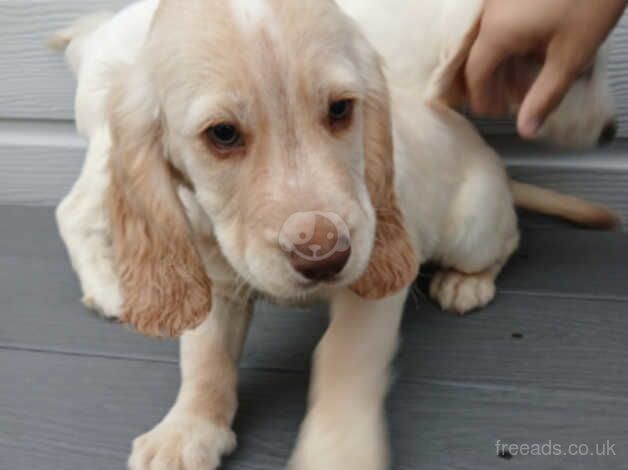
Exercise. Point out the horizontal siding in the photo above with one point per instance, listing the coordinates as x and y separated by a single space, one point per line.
36 84
40 161
35 81
40 154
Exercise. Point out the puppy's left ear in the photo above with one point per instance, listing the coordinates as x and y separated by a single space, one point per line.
448 85
394 264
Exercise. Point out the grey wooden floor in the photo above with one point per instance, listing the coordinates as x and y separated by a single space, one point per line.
548 361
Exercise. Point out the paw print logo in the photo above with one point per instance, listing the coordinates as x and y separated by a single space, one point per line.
315 236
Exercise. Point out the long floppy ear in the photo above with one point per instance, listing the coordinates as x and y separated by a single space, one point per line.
448 85
165 286
394 264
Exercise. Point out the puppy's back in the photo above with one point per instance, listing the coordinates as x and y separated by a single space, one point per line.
415 38
95 46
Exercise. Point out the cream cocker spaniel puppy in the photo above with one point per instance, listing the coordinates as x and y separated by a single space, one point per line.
244 148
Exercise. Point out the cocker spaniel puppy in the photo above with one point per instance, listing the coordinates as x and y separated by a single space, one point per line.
244 148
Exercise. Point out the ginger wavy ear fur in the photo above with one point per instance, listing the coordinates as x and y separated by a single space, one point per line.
165 286
394 264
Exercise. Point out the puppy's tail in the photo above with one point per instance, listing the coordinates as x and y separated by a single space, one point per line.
570 208
71 39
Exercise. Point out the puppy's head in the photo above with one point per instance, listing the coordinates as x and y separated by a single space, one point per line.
275 113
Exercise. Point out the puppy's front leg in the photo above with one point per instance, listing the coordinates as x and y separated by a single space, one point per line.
345 428
196 433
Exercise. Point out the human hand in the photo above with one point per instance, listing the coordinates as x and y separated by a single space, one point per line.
564 34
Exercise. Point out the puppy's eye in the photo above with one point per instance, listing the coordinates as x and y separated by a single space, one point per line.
340 113
224 136
340 109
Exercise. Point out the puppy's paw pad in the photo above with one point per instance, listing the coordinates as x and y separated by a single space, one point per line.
110 308
182 443
89 302
461 293
106 301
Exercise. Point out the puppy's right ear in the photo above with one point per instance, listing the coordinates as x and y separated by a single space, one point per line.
165 286
394 264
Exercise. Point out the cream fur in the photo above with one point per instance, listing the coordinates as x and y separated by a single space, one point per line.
452 190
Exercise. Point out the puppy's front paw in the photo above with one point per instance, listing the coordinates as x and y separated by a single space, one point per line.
182 443
101 290
105 302
461 293
323 445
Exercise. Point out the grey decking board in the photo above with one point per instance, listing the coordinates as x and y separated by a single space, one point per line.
40 308
570 262
519 152
62 412
567 344
553 261
460 384
73 412
29 232
558 333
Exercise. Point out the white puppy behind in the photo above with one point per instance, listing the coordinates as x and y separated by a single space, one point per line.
222 133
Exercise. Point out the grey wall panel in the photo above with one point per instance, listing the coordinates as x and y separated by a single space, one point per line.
35 81
39 161
37 176
36 84
40 154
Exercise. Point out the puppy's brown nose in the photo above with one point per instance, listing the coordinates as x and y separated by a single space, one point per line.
320 247
321 269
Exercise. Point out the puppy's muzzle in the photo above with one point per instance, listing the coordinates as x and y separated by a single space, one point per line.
318 244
